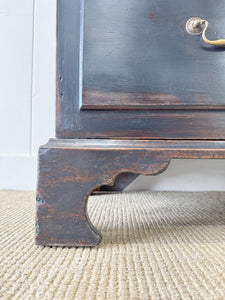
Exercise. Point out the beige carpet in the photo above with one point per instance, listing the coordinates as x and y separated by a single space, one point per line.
155 246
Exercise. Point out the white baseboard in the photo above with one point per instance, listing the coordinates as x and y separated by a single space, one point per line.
18 172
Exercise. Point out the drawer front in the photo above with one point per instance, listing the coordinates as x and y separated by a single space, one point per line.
138 55
129 69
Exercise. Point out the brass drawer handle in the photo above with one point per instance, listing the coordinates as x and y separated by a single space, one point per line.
196 26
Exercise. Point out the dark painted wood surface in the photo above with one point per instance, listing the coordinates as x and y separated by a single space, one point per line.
120 183
138 55
158 124
134 68
70 170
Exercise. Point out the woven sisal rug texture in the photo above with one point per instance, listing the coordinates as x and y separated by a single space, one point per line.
164 245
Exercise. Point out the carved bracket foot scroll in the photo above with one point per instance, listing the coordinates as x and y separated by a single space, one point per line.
70 170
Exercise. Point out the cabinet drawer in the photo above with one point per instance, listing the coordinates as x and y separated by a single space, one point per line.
129 69
138 55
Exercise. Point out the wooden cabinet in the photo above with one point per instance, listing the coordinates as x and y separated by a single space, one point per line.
133 71
134 90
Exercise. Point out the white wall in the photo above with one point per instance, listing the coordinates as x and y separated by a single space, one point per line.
27 60
27 91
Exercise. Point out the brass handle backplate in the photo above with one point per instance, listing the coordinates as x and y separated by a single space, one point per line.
197 26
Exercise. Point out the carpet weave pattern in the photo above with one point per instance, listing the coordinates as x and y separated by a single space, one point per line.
163 245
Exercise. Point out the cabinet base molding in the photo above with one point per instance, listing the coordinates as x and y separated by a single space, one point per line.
71 170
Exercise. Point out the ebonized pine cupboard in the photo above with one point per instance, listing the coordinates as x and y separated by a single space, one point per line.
138 83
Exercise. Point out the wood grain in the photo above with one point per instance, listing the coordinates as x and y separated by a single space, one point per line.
70 170
103 100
